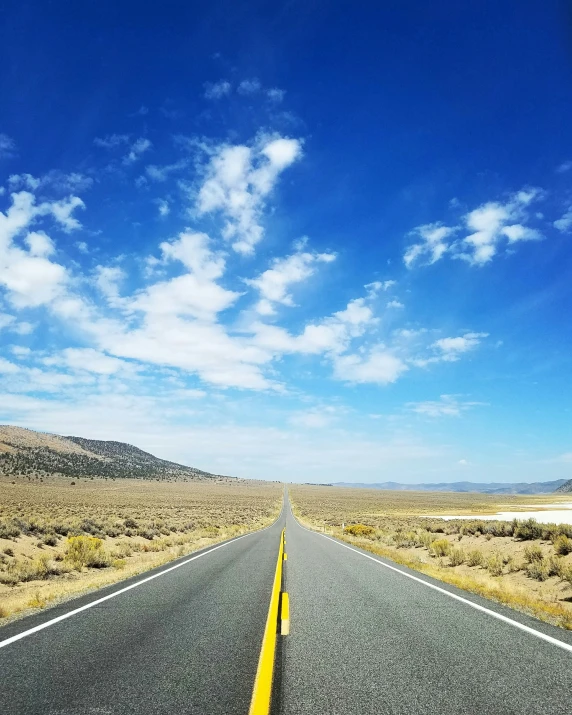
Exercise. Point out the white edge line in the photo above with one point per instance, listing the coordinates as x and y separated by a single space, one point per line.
51 622
494 614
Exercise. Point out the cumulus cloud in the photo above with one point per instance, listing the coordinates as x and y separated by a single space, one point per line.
273 284
451 348
377 365
238 180
28 275
249 86
217 90
163 207
564 224
488 227
275 94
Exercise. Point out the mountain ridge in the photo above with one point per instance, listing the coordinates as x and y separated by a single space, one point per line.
25 452
484 488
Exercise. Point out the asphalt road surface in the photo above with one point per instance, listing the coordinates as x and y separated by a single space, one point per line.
363 639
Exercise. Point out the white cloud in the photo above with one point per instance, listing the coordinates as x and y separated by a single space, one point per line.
7 367
564 167
89 360
163 207
446 406
316 418
7 147
433 246
238 180
378 366
488 226
249 86
62 211
273 284
24 328
564 224
395 304
25 181
30 278
112 141
6 320
54 180
107 280
217 90
161 173
451 348
137 149
20 351
275 94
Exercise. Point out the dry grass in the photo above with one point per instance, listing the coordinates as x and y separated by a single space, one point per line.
58 540
521 564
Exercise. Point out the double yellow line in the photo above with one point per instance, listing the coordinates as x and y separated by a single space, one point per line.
262 693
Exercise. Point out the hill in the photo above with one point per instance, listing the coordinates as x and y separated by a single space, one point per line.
37 454
490 488
565 488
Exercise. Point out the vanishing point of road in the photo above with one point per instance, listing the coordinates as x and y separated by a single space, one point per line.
365 637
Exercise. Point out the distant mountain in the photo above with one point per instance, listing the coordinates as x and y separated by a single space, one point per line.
28 453
566 487
491 488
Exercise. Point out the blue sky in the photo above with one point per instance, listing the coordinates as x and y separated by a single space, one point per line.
301 241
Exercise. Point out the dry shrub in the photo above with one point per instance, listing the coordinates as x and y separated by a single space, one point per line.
533 553
359 530
457 557
563 545
475 558
86 551
495 565
440 547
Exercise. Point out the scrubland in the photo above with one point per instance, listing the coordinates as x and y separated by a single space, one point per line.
520 563
58 539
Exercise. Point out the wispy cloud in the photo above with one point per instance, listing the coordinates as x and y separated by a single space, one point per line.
489 227
446 406
7 147
136 150
564 224
217 90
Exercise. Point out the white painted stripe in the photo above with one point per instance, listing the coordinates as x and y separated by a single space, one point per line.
51 622
488 611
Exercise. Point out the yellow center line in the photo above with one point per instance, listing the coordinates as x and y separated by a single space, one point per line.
262 693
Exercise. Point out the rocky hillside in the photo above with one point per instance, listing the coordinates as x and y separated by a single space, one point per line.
35 454
566 488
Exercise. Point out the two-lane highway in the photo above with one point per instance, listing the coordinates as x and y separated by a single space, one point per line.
366 637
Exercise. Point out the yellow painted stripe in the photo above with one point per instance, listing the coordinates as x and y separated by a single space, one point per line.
285 557
262 693
285 615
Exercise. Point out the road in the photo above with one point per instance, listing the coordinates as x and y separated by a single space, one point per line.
363 639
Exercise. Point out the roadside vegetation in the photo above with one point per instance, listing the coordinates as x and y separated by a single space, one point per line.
58 539
520 563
